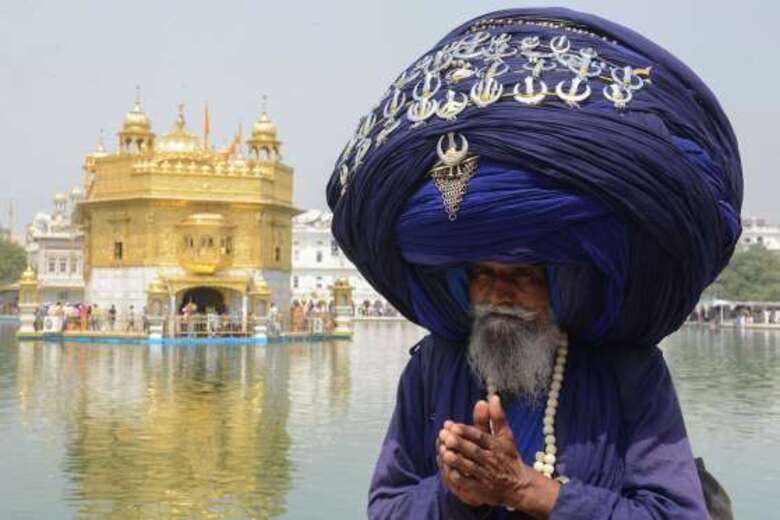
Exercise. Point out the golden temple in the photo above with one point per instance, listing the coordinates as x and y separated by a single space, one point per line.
172 217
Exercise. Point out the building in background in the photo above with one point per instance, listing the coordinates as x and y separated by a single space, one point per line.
318 262
174 216
756 230
54 245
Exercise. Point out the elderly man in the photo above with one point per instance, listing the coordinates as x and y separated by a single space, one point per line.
548 193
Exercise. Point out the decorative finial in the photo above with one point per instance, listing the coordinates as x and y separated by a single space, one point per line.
137 104
264 104
100 148
180 122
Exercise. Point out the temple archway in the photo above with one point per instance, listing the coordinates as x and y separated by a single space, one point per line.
205 298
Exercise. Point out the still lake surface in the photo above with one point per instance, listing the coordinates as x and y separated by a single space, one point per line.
292 431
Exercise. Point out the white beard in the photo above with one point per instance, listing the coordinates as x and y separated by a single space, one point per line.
513 349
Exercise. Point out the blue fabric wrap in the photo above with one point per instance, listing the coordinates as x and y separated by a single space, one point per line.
633 212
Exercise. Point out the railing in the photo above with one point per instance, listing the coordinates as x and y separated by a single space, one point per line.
209 325
102 324
196 325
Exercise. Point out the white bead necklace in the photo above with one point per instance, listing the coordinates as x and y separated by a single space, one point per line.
545 460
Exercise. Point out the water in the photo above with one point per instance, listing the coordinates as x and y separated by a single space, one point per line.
292 431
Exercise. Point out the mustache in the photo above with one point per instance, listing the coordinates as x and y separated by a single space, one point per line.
484 310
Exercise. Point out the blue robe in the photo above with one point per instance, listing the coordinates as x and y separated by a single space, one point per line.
619 429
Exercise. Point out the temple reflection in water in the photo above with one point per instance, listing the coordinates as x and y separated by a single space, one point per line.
174 431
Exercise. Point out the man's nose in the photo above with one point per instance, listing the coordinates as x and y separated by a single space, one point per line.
503 292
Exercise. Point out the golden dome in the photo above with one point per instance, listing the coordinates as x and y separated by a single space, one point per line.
264 126
76 193
179 141
60 197
136 121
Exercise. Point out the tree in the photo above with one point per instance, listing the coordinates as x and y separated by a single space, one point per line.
752 275
13 260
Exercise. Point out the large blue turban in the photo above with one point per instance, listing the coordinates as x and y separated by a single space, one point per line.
629 196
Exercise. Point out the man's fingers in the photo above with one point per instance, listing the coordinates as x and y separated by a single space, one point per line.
497 416
474 434
465 466
482 416
465 447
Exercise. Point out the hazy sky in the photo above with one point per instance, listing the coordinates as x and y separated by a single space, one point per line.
69 68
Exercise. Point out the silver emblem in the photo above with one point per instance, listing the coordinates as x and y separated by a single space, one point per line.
387 129
469 47
627 78
422 63
360 153
573 96
486 91
406 78
618 94
421 110
465 71
530 94
560 44
531 48
366 125
453 156
394 105
455 104
427 87
439 62
347 149
495 70
474 39
529 43
499 48
467 53
585 64
452 172
539 65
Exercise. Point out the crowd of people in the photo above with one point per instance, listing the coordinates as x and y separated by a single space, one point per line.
93 317
312 316
739 314
379 308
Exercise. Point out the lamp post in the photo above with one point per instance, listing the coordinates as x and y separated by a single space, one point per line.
156 295
260 299
28 301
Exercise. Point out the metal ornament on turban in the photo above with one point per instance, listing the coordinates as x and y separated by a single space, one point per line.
543 136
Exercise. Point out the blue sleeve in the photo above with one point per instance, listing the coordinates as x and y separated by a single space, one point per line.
404 485
661 480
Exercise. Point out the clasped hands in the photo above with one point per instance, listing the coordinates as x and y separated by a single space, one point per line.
483 467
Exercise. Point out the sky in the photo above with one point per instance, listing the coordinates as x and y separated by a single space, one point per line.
69 69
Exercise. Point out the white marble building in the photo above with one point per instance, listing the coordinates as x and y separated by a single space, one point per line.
54 246
756 230
317 261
